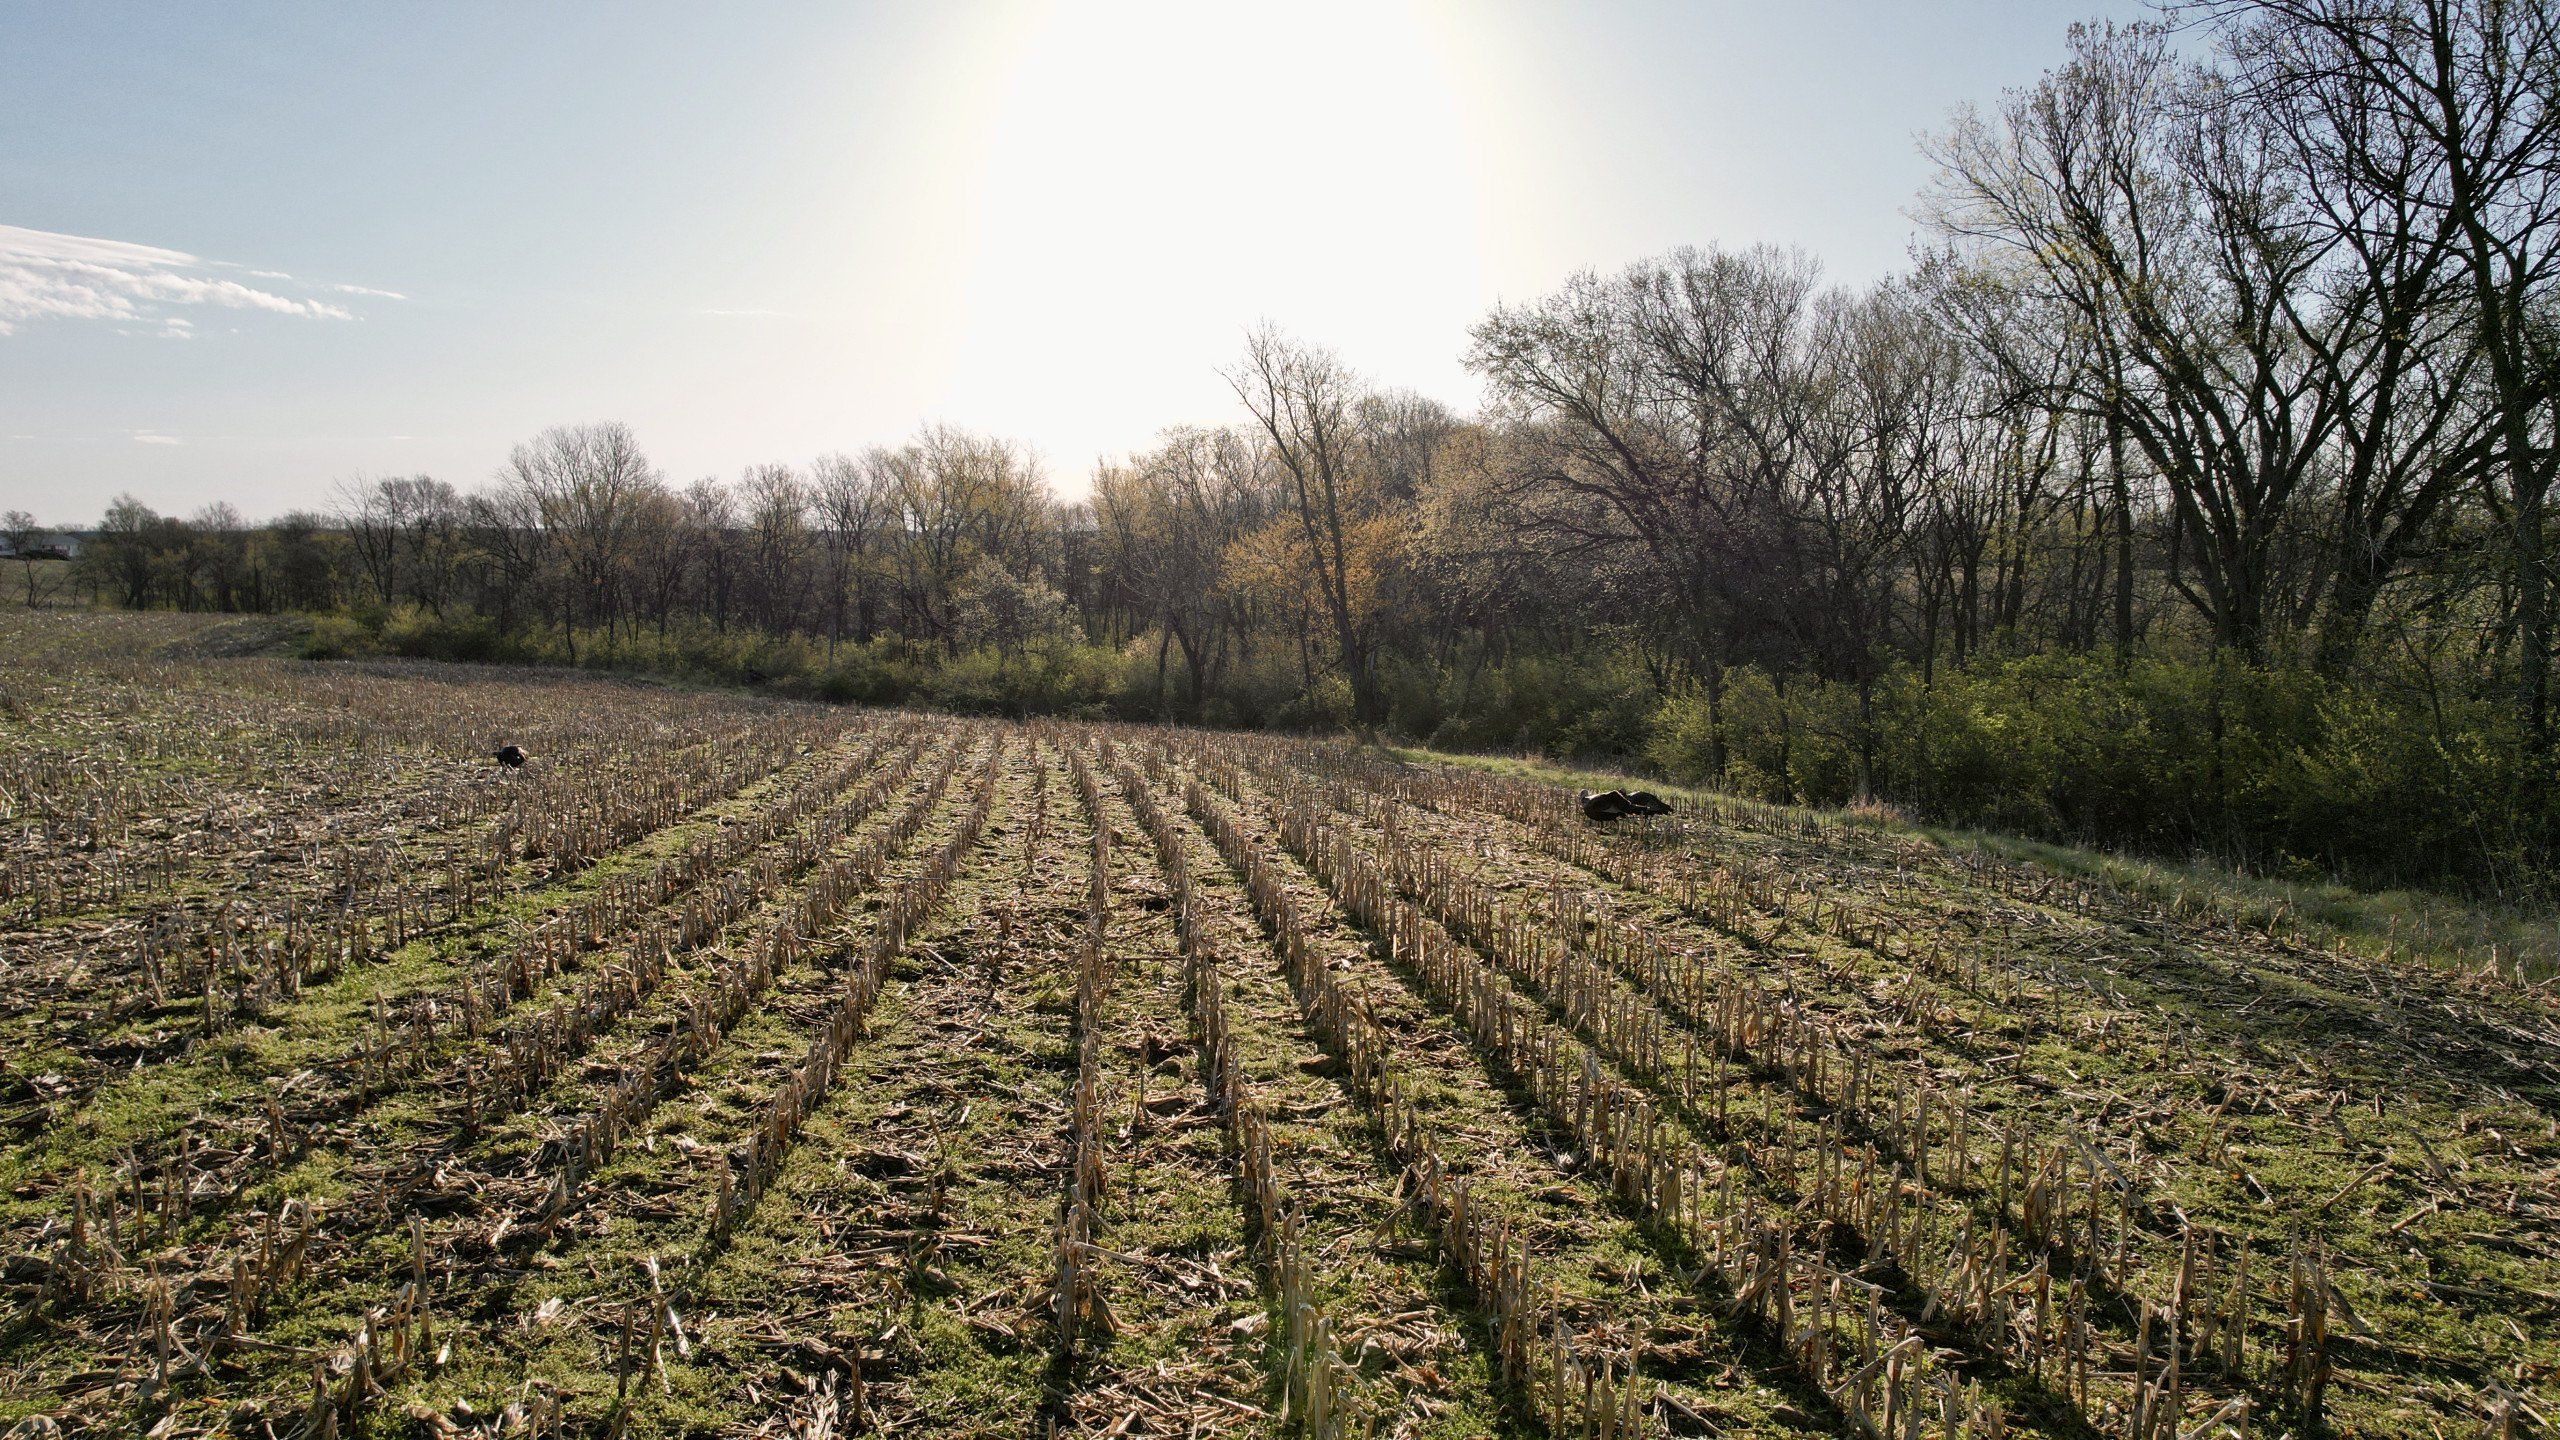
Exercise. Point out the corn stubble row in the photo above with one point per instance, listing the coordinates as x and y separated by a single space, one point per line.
241 958
1559 1383
1973 1227
727 995
1902 1248
1321 1388
167 1191
1079 1316
1861 1174
754 1165
2090 1215
719 1001
153 775
525 1055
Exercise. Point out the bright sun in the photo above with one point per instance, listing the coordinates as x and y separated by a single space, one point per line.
1141 156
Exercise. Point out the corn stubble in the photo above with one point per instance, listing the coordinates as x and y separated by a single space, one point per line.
518 1124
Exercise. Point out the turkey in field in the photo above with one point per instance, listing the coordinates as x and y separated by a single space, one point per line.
511 756
1604 804
1618 804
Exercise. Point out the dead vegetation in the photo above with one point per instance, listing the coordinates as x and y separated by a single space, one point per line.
769 1069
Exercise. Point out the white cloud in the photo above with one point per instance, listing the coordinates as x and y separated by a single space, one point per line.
750 314
148 438
49 276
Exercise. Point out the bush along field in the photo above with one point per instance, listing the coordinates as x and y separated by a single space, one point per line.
745 1067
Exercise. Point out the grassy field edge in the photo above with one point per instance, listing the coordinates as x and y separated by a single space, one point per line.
2402 924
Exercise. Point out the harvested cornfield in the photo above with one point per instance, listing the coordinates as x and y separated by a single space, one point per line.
748 1068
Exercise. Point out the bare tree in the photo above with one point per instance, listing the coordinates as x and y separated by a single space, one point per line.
511 553
958 498
20 532
219 543
711 513
403 530
1659 417
776 544
664 542
2427 130
585 485
123 549
2120 197
853 506
1309 405
368 512
1165 523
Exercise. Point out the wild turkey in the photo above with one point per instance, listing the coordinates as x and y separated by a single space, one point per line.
1606 805
511 756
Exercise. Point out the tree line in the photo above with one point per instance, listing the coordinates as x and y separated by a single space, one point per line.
2190 487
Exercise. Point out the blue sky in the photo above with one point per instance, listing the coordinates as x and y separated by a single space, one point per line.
250 251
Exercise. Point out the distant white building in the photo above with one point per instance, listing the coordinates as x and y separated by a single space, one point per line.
48 545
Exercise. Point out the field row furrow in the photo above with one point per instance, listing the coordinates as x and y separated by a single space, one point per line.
743 1069
237 1128
2094 1200
420 1152
561 1181
2289 1295
1499 1230
1948 1272
147 991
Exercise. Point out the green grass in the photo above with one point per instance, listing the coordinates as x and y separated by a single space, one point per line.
2438 929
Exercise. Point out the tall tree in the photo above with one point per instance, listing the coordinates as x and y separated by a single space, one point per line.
1309 405
2120 198
583 486
2428 128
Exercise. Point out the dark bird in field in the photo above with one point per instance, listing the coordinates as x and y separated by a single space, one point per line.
1604 804
1618 804
511 756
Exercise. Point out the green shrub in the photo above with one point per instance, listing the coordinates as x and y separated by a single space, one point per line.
336 637
1047 677
877 673
1264 689
410 631
1598 705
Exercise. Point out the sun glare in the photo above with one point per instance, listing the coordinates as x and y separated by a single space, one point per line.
1145 156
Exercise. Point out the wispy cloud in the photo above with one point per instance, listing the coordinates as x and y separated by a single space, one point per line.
751 314
49 276
147 437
